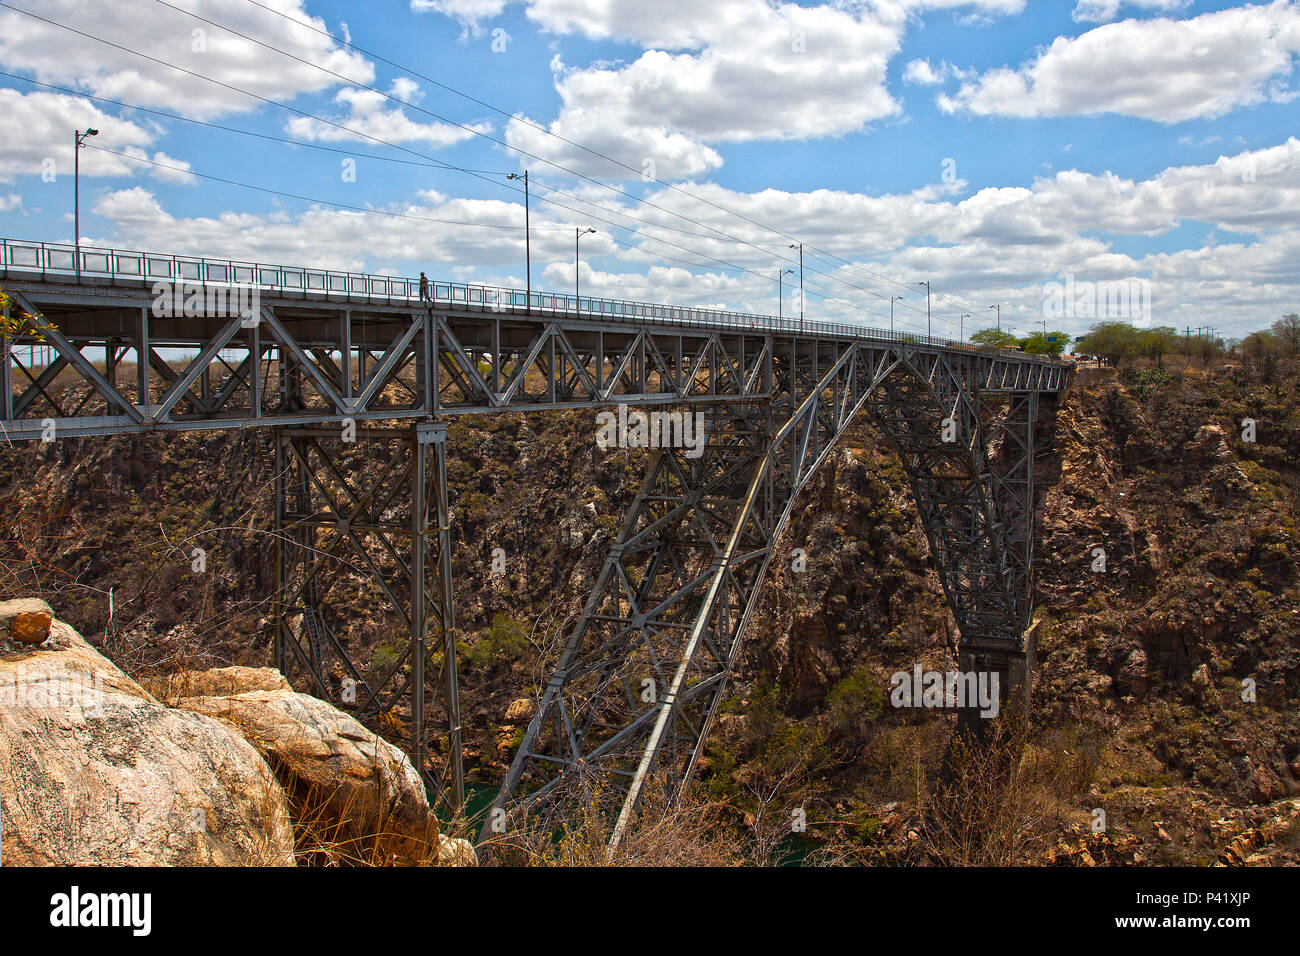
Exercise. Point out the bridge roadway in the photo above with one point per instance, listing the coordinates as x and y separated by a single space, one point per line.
173 343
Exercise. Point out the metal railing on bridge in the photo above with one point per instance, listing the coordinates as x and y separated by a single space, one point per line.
59 259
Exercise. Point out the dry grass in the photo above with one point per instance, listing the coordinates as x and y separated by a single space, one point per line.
665 832
1001 803
328 831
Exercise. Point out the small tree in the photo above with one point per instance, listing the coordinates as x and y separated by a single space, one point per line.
994 339
1156 343
1260 352
1051 343
1207 347
1286 333
1113 342
15 321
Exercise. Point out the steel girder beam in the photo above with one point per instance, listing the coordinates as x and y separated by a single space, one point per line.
366 362
375 511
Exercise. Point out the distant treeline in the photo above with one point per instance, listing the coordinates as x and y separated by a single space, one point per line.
1118 343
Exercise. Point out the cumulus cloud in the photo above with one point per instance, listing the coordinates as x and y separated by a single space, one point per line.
372 116
47 122
726 71
471 13
1103 11
322 236
921 73
924 73
58 56
1163 70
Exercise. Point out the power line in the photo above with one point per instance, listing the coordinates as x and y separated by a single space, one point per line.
312 199
493 139
375 139
542 129
307 115
430 163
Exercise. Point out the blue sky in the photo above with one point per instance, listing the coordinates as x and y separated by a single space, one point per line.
993 147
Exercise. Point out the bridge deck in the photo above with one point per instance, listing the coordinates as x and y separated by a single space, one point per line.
355 339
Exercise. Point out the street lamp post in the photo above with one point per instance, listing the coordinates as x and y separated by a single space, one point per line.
780 293
926 283
999 308
78 136
577 234
892 300
961 327
799 246
528 243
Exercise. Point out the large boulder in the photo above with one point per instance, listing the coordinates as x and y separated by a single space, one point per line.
95 771
25 620
357 797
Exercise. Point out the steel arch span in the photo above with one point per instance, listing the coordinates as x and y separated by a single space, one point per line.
642 675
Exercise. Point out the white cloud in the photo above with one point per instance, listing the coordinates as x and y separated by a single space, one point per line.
921 73
761 72
1103 11
371 116
47 122
724 71
11 203
322 236
1163 70
58 56
472 13
924 73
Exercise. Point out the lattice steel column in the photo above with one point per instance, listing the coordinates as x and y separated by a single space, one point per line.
373 512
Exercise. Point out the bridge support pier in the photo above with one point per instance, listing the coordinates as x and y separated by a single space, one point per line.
1014 667
371 511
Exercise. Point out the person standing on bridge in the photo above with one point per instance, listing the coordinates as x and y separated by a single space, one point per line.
424 288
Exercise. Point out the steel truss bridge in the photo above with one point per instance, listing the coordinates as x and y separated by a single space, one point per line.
630 701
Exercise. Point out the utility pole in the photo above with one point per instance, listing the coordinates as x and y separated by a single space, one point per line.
78 146
528 242
926 283
577 234
800 248
999 308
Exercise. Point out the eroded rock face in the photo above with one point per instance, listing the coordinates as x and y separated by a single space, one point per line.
223 682
95 771
361 790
